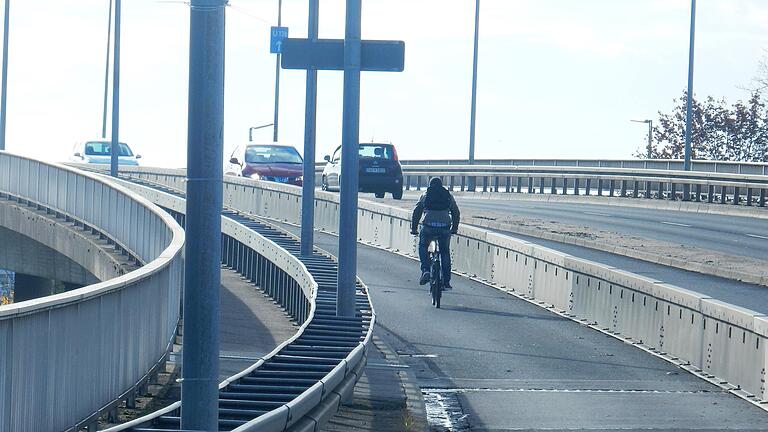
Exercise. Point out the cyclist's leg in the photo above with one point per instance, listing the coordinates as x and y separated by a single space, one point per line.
444 239
425 236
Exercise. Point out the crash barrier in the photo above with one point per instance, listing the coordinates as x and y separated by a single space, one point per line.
714 339
67 358
757 168
737 189
300 384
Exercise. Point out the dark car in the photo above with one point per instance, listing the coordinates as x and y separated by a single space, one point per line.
268 162
380 170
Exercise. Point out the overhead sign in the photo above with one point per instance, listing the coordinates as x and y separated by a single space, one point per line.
328 54
277 36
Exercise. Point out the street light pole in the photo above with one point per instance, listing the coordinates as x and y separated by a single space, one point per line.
650 135
116 96
310 122
4 96
689 107
253 128
106 73
202 266
350 149
471 181
277 73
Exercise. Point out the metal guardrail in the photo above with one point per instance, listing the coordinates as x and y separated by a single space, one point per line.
723 343
754 168
299 385
65 359
723 188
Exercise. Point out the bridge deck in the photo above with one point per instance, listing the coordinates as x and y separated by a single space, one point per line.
489 361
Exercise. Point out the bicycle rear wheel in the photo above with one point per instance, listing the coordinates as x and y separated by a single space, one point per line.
436 283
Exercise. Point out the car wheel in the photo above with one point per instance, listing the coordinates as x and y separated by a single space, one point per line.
398 194
379 194
324 184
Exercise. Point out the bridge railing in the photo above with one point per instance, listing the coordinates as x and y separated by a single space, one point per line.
67 358
723 343
284 278
738 189
754 168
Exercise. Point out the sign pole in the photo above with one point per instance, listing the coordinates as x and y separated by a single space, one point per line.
200 357
106 73
310 123
277 74
350 142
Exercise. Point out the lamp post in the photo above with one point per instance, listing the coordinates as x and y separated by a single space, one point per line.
650 135
471 181
4 95
253 128
106 73
277 73
116 96
689 105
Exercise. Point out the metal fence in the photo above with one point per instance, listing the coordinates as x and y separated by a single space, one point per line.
302 381
739 189
757 168
67 358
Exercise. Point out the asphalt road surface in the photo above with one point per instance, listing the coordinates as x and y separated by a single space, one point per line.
734 235
488 361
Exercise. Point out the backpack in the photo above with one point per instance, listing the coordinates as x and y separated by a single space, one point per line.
437 198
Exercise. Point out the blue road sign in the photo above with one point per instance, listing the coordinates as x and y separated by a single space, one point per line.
277 36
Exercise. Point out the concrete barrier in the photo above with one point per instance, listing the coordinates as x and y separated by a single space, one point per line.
724 342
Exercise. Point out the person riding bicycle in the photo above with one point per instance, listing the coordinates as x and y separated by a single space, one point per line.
441 219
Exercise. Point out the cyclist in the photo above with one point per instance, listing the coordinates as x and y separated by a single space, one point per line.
441 219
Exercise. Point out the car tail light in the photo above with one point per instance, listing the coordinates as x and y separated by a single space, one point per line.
394 154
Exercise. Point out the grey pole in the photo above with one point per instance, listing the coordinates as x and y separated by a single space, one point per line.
471 181
106 73
253 128
689 107
310 119
277 74
650 139
116 95
4 96
200 361
350 141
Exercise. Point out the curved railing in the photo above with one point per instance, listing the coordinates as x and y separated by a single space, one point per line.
301 382
739 189
723 343
67 358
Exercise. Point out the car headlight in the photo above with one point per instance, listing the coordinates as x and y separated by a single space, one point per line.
300 178
255 176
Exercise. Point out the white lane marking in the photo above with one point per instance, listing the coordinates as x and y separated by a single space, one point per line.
757 236
597 214
676 224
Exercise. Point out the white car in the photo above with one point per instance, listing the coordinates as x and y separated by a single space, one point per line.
99 151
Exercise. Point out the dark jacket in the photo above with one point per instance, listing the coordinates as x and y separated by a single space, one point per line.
438 206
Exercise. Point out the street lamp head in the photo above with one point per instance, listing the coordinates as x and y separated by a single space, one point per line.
641 121
252 128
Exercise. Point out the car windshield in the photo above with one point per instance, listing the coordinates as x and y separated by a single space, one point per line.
100 148
379 151
272 154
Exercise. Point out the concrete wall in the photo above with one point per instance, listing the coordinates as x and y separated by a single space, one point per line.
24 255
90 263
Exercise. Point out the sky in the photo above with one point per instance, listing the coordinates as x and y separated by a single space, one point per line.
556 78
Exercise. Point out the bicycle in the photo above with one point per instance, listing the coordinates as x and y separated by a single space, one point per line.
435 273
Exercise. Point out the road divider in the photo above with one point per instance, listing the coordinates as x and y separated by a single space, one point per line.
723 343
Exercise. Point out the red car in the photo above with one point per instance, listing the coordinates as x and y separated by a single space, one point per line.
268 162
